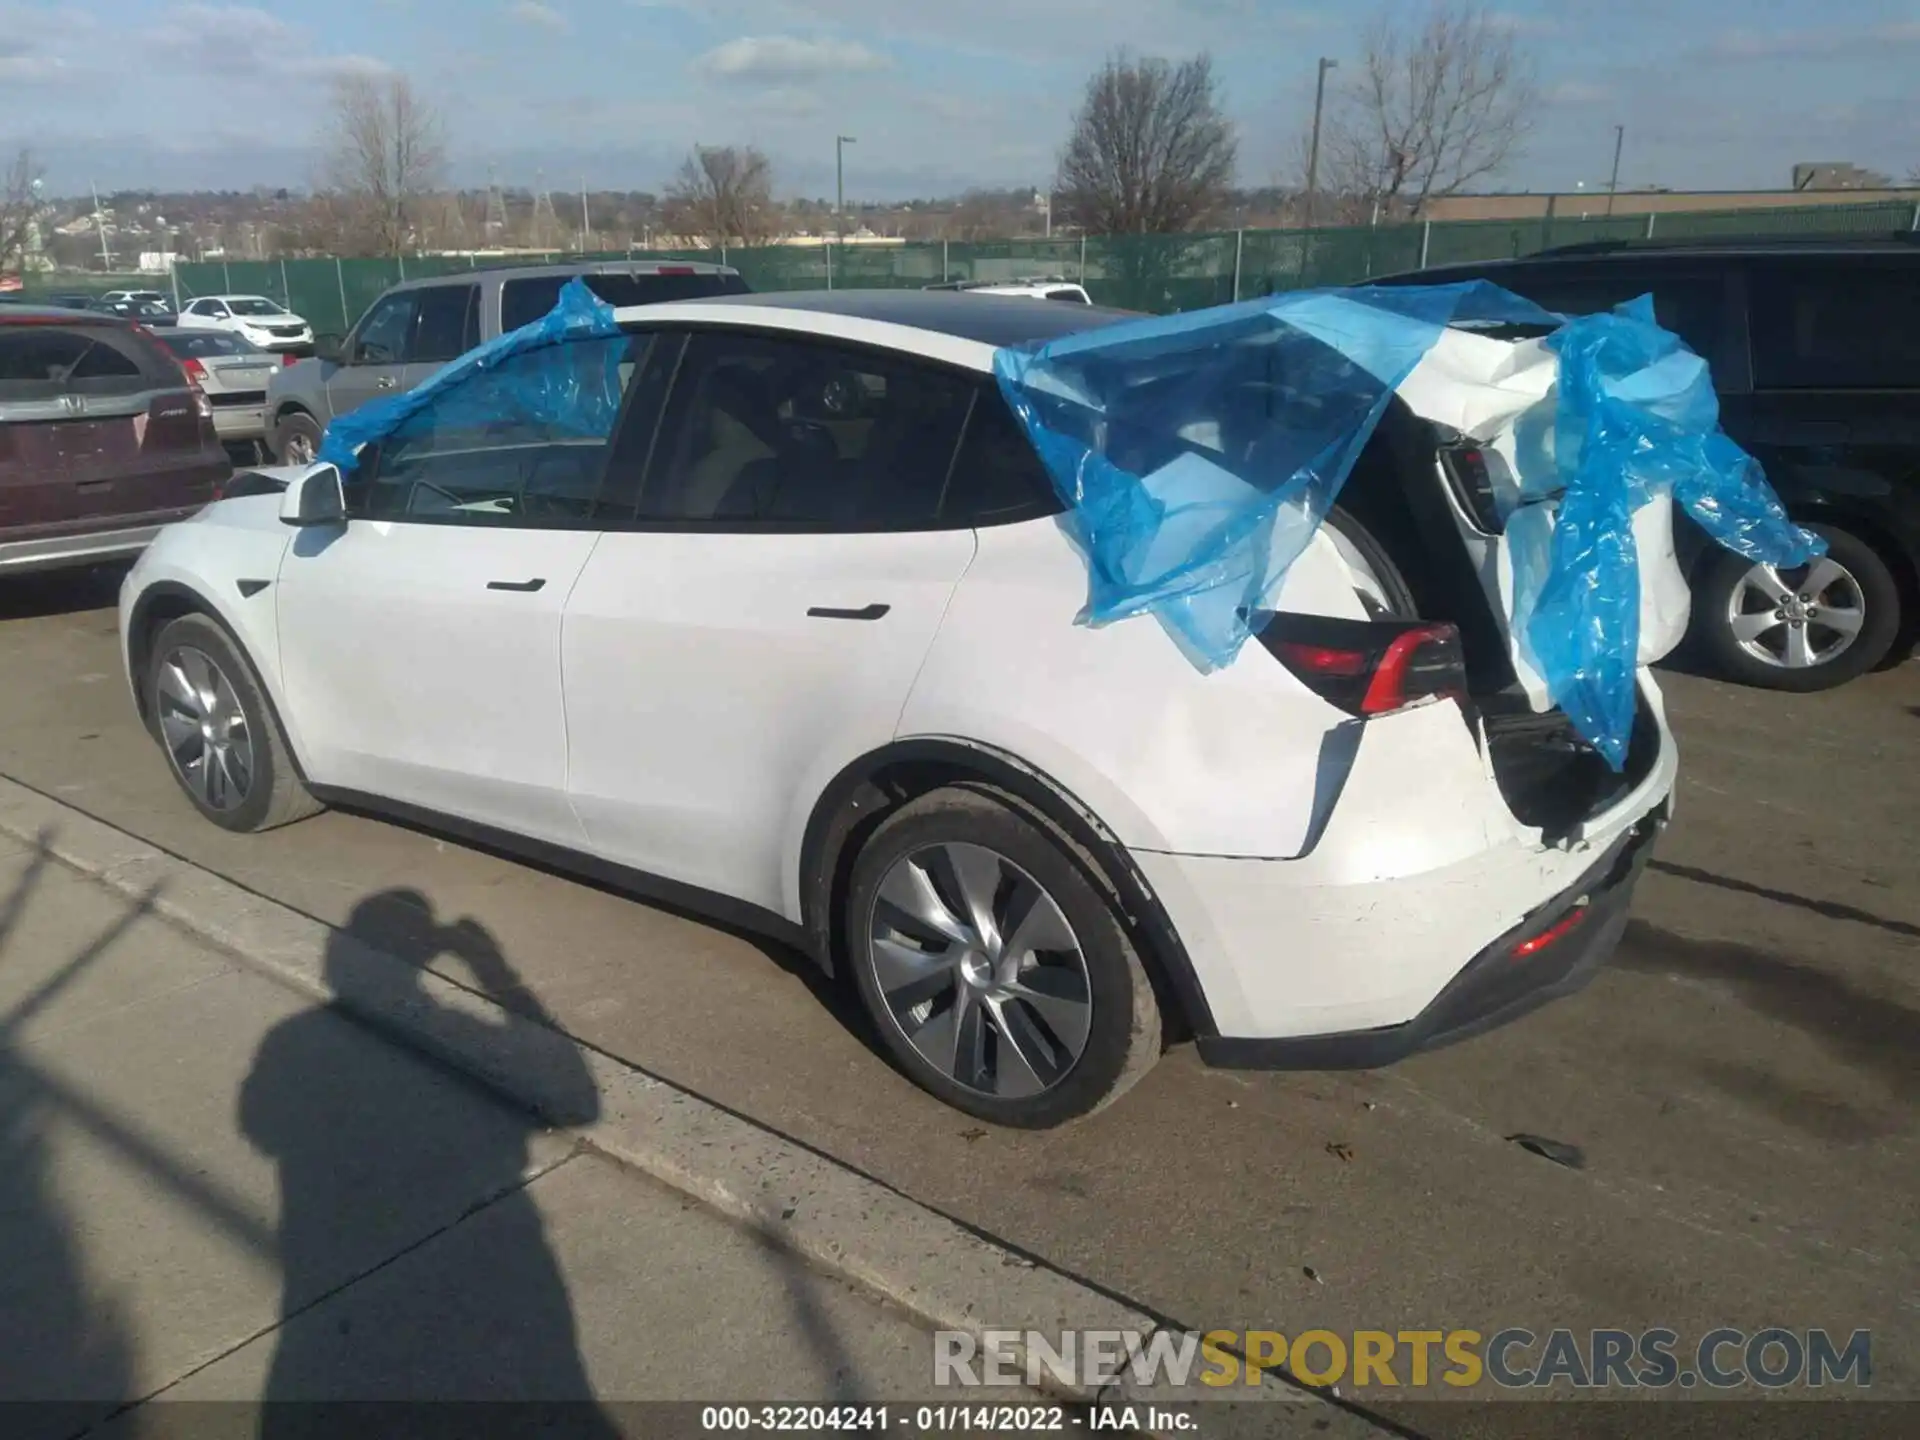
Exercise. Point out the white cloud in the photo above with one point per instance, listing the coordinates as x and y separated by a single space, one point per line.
787 58
533 12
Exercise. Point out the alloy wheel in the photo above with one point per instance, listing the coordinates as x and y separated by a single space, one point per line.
205 729
980 970
1797 618
300 450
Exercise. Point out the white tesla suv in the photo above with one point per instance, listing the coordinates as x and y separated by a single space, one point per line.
796 641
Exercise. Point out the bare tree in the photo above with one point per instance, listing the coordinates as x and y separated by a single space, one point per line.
1150 152
1430 113
386 150
19 204
723 194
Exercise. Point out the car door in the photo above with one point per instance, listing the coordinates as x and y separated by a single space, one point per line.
758 622
420 641
374 357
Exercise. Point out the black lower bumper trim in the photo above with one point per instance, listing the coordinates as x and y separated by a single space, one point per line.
1496 986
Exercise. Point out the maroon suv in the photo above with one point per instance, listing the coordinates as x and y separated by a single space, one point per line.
103 439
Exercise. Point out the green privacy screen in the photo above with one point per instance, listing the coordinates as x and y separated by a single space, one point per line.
1155 273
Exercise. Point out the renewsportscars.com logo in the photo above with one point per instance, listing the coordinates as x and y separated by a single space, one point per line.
1513 1359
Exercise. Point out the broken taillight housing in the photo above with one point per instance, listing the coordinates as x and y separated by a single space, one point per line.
1369 667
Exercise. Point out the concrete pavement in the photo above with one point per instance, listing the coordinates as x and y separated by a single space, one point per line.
1742 1080
214 1189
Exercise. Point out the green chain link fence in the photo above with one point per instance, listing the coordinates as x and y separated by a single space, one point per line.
1158 273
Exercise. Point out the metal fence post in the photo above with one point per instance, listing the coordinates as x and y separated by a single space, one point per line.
1239 250
226 276
827 245
946 270
723 252
1426 241
173 269
1916 216
1083 258
340 277
1649 225
401 261
286 290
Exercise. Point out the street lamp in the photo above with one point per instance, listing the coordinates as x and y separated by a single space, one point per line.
1313 145
840 143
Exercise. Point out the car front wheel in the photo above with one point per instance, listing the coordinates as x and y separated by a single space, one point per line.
1811 627
220 737
995 969
297 439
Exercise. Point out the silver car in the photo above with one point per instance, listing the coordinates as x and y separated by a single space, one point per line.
415 328
232 373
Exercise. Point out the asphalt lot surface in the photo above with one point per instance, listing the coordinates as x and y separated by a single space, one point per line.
1744 1079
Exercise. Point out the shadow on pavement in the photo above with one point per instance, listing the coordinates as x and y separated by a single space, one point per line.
65 1354
60 592
331 1131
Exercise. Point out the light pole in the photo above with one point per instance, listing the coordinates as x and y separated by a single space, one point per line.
1313 145
840 143
1619 139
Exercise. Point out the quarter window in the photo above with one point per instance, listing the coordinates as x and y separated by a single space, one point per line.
1836 328
766 432
998 477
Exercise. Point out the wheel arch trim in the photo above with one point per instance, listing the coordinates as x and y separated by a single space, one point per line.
855 797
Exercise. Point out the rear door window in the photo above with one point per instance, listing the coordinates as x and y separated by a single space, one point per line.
441 322
525 300
767 432
1693 306
1829 327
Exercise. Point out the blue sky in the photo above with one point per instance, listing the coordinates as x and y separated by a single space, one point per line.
940 93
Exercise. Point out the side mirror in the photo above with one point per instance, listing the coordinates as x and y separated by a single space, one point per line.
314 496
331 348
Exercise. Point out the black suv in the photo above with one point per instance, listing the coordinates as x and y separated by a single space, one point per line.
1815 349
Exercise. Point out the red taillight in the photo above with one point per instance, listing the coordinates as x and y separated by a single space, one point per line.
196 372
1369 667
1555 932
289 358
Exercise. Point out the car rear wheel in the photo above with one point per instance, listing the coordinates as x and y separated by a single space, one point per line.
994 967
296 439
221 739
1811 627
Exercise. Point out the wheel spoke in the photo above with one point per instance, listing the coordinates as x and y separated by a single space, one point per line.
1034 922
976 876
175 686
1059 997
1841 622
909 977
1750 627
1017 1057
177 731
201 676
1767 581
1822 574
908 890
1799 650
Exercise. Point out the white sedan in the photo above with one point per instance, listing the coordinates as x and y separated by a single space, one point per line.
794 640
265 323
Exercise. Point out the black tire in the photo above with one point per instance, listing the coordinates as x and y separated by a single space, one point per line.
271 793
1123 1030
295 423
1878 595
1393 584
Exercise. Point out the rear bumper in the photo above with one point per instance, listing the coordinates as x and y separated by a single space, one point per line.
1553 952
1420 872
240 422
86 547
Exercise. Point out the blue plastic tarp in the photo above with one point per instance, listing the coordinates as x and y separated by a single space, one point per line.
1197 454
566 392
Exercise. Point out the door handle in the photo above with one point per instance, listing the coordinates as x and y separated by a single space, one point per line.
385 382
519 587
866 612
